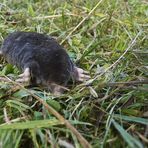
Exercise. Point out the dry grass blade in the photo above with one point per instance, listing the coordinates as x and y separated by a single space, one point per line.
128 83
54 16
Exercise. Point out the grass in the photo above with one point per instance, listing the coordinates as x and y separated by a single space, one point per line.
108 38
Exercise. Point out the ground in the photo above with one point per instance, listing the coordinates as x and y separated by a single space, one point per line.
107 38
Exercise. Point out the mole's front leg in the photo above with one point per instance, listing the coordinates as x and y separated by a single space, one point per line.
80 74
25 76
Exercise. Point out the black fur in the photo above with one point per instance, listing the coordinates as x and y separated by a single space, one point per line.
47 60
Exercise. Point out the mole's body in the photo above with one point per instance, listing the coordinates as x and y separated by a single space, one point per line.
42 60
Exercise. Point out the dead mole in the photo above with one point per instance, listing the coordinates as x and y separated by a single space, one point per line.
42 60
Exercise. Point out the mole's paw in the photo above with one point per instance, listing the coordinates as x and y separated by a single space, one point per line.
24 77
81 75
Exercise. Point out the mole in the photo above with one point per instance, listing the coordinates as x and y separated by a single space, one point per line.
42 60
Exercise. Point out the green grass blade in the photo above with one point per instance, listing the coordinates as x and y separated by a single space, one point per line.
18 139
31 124
131 141
132 119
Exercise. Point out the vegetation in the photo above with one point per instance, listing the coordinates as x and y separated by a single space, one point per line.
108 38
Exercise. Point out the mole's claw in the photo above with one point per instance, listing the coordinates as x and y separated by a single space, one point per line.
21 75
23 80
80 70
81 75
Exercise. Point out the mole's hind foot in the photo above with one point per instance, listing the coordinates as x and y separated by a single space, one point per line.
81 75
24 77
